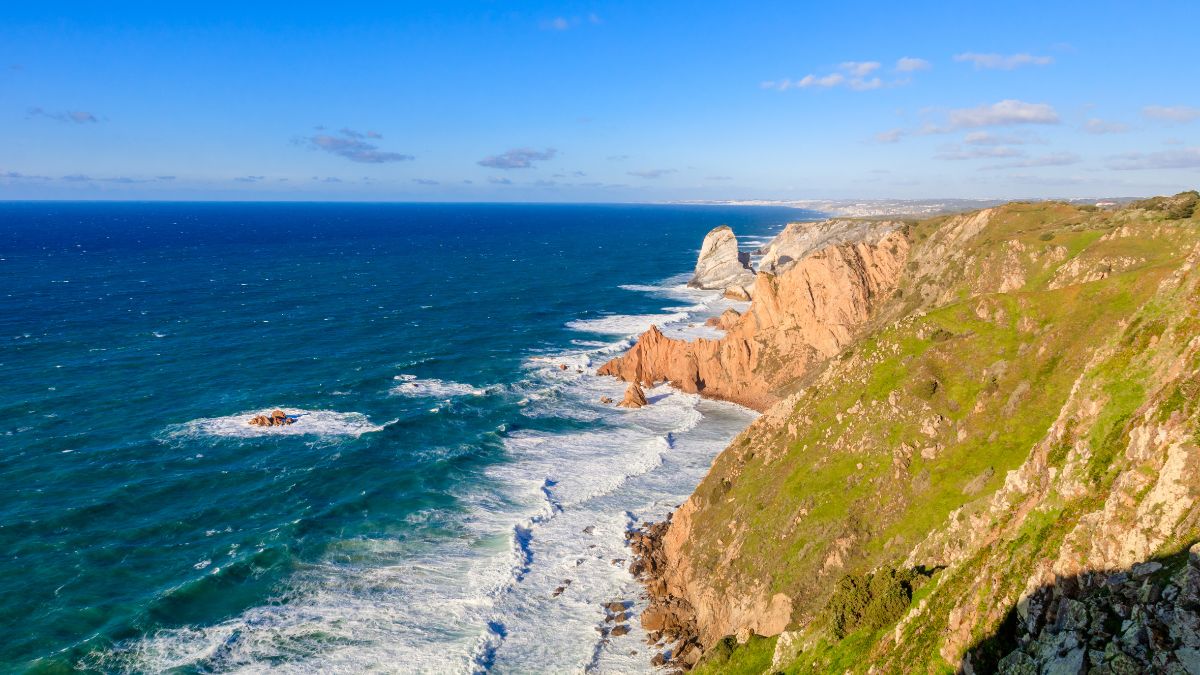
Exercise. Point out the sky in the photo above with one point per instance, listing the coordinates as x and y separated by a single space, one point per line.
636 101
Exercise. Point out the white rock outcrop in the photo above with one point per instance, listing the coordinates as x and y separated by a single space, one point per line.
721 266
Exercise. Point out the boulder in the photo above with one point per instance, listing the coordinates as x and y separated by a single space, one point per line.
277 418
721 265
634 397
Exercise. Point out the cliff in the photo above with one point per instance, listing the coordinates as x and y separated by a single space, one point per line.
807 311
976 460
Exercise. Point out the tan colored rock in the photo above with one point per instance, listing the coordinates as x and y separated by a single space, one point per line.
277 418
634 397
808 312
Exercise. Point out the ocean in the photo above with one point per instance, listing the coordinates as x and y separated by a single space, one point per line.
451 466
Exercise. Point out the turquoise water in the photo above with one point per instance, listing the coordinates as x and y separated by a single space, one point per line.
435 487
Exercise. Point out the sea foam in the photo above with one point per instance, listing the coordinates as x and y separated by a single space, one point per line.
308 422
411 385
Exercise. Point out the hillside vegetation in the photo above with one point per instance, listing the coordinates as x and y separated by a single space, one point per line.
1020 412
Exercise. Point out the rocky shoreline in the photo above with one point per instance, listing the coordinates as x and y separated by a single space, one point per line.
669 621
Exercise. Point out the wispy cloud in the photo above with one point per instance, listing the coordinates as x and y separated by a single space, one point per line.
854 75
1053 159
17 175
1002 61
909 64
569 22
1099 126
121 180
518 158
956 152
248 179
1183 158
989 138
890 136
718 178
497 180
354 146
1175 113
1004 113
652 173
73 116
425 181
859 68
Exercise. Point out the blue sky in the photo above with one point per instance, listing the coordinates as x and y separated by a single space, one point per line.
603 101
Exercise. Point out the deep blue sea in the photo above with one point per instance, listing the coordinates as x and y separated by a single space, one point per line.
445 475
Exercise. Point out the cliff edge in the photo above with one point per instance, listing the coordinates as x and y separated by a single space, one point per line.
979 452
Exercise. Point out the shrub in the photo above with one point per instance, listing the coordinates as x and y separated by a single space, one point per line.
869 601
1046 236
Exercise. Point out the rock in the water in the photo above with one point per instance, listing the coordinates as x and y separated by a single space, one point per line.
277 418
721 265
606 400
634 397
620 630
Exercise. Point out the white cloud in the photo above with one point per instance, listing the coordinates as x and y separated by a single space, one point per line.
652 173
1099 126
853 75
831 80
988 138
890 136
76 116
1184 158
955 152
1053 159
1006 112
1003 61
1176 113
858 84
353 146
859 68
517 158
909 64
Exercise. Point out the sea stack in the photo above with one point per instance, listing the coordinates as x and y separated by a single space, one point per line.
277 418
721 266
634 397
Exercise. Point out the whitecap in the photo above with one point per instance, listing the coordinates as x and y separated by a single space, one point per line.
624 324
411 385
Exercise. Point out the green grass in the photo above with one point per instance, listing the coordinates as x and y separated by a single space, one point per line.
843 497
729 658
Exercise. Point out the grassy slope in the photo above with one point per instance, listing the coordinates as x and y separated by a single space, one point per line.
975 382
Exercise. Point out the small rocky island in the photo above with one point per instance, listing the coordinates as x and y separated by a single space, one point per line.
277 418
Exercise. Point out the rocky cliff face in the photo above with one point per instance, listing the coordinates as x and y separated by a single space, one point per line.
1017 425
721 266
807 312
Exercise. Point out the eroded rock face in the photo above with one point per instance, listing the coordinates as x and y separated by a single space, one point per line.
807 312
720 265
277 418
